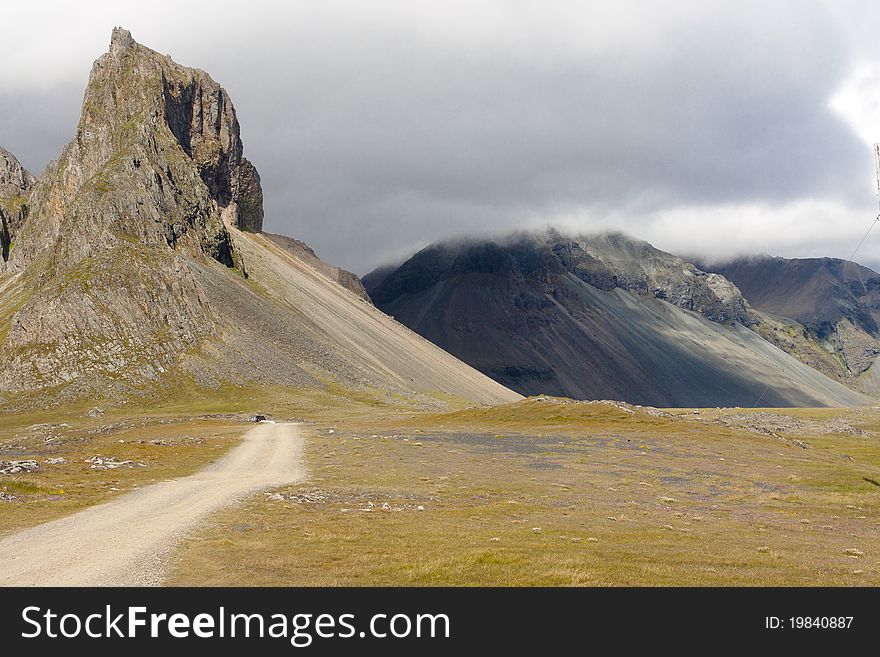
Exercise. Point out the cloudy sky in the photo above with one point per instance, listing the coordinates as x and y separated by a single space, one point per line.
710 128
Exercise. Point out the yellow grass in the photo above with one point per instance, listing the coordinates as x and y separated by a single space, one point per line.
543 493
55 490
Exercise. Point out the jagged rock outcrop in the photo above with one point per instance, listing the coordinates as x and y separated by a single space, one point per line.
614 260
154 173
157 158
15 180
249 197
596 317
16 184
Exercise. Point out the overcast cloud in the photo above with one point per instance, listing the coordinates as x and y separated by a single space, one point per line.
708 128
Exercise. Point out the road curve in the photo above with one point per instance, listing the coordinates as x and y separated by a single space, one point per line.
126 542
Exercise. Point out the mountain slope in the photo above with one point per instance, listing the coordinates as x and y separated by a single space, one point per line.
598 317
831 306
303 251
140 265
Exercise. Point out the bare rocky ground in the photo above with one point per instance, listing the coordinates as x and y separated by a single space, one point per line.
779 424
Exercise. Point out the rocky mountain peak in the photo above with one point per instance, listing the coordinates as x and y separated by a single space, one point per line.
120 41
152 184
157 158
142 272
615 260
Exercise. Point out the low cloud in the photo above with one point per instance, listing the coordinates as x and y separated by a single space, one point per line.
719 232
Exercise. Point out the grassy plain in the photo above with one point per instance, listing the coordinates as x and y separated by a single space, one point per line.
538 492
545 492
173 435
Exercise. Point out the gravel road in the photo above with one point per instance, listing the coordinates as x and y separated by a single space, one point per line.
128 541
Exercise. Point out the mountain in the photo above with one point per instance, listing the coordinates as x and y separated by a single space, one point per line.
139 266
831 306
596 317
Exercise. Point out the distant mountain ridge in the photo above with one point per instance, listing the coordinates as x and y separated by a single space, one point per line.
834 304
597 316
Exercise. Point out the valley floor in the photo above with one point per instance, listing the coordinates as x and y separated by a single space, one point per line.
539 492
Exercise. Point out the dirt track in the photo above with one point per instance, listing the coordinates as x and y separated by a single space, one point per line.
126 542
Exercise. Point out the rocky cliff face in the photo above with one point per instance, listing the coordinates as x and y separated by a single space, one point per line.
154 173
14 178
15 188
614 260
157 158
